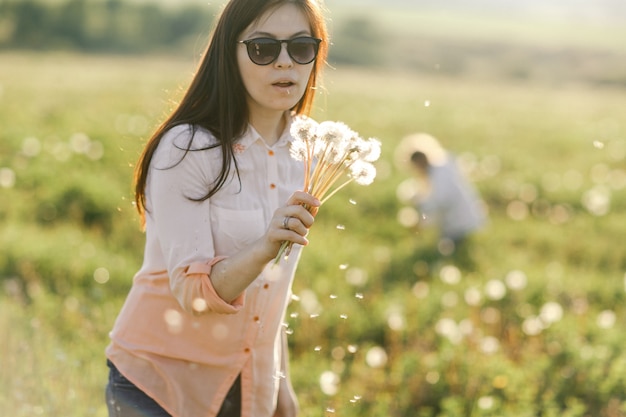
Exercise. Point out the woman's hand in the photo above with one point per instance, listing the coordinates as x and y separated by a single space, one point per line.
231 276
291 223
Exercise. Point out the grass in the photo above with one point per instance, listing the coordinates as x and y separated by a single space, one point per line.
69 244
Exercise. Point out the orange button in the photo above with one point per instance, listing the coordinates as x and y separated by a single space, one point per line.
256 318
266 286
272 186
270 153
247 350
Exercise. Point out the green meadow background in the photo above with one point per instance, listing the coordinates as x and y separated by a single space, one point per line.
531 322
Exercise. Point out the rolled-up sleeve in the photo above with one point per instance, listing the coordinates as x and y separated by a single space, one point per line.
182 225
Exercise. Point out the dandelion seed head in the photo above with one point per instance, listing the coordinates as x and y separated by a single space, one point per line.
334 132
329 383
363 172
551 312
357 277
606 319
421 289
450 274
7 178
516 280
376 357
396 320
472 296
489 345
432 377
449 299
303 128
101 275
298 150
31 146
486 402
309 302
532 325
495 289
370 149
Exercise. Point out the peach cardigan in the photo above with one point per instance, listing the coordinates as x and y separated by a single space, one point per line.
175 338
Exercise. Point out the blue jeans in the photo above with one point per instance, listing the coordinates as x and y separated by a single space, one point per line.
125 399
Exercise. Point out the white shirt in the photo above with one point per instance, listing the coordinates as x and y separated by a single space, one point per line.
452 203
185 360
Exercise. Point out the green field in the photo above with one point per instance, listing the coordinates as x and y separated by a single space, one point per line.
531 325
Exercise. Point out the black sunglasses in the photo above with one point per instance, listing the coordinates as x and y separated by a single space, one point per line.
264 51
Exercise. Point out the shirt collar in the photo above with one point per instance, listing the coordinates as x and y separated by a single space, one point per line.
251 136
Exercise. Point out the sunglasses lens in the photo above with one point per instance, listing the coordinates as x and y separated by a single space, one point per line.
263 51
303 50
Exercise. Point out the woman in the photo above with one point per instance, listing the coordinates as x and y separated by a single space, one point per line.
200 332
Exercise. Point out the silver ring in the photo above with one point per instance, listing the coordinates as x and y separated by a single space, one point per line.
286 222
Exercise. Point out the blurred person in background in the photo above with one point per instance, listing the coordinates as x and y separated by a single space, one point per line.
200 333
441 193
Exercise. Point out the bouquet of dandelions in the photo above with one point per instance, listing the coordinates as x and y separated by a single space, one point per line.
331 151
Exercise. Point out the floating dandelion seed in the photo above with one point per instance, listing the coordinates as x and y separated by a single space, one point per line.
352 348
359 295
343 267
317 348
598 144
426 103
343 316
353 202
330 152
341 227
332 297
355 399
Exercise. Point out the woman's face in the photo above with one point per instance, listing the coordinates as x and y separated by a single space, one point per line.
280 85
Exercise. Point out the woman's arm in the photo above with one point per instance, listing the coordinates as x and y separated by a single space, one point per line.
231 276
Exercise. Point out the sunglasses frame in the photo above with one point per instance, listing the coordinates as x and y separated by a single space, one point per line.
316 45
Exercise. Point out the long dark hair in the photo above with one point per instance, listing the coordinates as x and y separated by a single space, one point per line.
216 97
